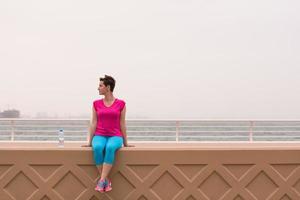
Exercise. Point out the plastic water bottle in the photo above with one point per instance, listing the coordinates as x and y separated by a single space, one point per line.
61 139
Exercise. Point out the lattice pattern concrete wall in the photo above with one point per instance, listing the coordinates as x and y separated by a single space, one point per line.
150 174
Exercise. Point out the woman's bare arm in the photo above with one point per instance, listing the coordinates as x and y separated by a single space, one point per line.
123 127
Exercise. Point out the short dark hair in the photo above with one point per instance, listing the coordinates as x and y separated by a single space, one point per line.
109 80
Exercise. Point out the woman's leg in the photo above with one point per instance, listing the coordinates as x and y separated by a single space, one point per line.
112 145
98 145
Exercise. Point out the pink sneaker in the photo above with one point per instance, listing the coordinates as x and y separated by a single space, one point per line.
108 185
101 186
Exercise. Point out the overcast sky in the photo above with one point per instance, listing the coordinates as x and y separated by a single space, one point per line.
178 59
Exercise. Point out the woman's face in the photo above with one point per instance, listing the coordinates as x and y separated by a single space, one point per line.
102 88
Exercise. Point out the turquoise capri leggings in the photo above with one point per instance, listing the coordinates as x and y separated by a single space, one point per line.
104 148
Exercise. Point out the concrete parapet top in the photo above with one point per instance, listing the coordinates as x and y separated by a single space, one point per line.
154 146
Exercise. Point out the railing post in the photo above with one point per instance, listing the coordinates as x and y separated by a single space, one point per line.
251 131
177 131
12 130
88 132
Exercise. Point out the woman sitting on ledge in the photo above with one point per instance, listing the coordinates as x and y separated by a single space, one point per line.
107 131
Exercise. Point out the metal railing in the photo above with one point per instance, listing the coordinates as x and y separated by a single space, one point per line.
156 130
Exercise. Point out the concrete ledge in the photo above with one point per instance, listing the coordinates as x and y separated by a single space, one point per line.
228 171
153 146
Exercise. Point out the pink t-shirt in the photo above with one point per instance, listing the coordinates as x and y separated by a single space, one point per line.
108 118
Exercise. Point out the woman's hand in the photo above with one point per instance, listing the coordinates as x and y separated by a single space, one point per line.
128 145
86 145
